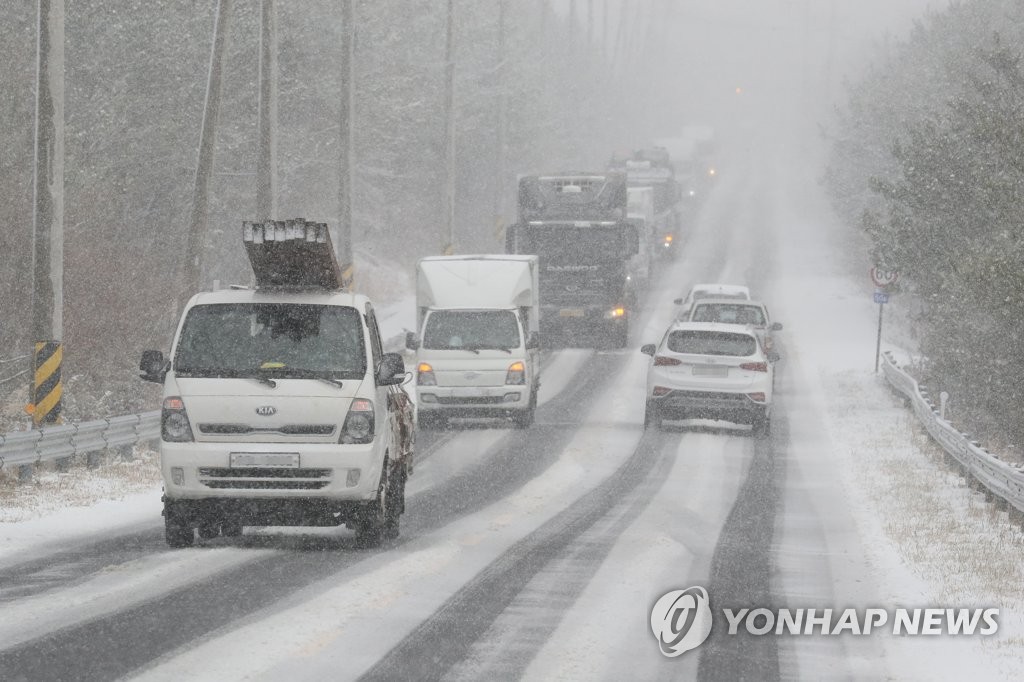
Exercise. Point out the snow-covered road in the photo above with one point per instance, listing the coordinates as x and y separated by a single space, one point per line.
538 554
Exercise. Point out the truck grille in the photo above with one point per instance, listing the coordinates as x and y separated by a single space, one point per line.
264 478
287 429
482 400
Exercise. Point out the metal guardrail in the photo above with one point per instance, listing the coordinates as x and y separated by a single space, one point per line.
1001 479
25 448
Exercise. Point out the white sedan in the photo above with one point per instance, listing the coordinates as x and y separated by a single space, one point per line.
732 311
704 370
711 290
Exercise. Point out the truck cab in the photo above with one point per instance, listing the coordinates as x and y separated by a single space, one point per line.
477 342
281 407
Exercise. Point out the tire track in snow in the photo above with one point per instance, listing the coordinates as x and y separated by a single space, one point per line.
464 618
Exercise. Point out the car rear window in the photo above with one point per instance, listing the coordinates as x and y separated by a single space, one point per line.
728 313
711 343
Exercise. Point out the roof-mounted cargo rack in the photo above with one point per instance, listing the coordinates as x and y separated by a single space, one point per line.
292 253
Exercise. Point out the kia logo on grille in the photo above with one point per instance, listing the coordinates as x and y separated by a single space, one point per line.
266 410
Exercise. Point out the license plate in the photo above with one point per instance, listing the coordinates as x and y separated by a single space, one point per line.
260 460
710 371
571 312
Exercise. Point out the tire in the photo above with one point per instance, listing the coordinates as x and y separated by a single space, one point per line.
620 336
762 425
394 504
652 417
177 530
371 522
523 419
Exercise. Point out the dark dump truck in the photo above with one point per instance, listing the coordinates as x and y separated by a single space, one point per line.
577 224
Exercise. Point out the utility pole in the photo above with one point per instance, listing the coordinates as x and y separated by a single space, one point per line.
48 216
266 169
204 163
499 173
347 66
448 247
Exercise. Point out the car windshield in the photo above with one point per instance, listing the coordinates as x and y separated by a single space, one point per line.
471 330
711 343
728 313
697 295
276 339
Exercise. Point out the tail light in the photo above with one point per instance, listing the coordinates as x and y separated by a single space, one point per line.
174 426
661 361
516 375
425 375
358 427
756 397
755 366
660 391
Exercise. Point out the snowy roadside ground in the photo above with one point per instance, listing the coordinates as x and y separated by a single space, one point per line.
927 539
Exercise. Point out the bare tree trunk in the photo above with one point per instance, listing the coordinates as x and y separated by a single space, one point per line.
192 280
347 66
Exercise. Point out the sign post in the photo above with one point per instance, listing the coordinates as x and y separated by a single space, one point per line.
882 279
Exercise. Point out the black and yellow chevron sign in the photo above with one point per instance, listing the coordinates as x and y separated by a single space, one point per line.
46 386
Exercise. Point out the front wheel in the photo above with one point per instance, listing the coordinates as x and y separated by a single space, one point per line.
394 505
373 518
177 530
620 336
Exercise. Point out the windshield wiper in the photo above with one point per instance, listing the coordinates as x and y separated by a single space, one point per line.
297 373
265 380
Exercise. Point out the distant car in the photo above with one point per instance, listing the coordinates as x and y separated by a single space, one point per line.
733 311
703 370
699 291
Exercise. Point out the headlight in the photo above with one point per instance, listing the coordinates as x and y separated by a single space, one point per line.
516 374
358 426
174 426
425 375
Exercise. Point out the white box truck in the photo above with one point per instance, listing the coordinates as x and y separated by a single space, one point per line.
477 344
280 406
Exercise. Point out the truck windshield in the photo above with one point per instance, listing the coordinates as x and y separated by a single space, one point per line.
281 340
471 330
565 244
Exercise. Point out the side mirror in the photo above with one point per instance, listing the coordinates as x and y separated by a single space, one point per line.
391 370
773 356
678 301
533 341
648 349
411 342
776 326
153 366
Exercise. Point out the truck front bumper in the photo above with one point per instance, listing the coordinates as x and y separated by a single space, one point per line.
475 401
311 471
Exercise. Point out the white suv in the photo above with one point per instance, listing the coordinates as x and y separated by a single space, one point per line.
710 370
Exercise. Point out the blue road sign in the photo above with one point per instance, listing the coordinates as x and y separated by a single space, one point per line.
881 297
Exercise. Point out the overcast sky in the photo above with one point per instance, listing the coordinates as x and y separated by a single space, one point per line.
731 61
